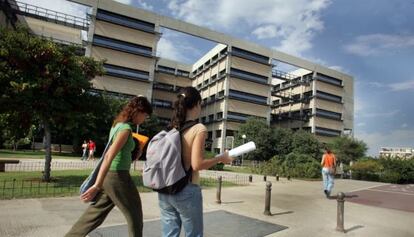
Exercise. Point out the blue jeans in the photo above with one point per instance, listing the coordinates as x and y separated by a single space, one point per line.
186 208
328 180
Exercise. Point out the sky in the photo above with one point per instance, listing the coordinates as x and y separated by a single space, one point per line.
371 40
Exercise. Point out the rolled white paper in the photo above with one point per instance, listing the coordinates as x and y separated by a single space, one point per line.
240 150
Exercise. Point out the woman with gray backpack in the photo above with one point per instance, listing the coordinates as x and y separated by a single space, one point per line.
183 204
113 185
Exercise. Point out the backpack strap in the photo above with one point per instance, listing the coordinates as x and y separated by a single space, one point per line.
187 125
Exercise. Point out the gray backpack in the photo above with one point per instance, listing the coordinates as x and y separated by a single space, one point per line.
164 170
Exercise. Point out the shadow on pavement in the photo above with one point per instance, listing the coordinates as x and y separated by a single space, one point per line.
354 228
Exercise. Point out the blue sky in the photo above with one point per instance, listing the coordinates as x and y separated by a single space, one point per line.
371 40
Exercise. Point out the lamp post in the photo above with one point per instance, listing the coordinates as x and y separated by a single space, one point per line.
244 138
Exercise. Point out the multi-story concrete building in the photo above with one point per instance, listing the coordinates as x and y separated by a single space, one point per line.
397 152
237 79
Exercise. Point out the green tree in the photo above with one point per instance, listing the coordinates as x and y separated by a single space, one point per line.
258 131
348 149
305 143
283 138
44 80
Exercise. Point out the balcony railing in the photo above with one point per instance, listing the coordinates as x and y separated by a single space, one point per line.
48 15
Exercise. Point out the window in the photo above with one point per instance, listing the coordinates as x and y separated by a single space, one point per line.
163 86
220 94
110 93
118 71
237 116
210 135
222 73
211 117
166 69
328 96
125 21
248 76
328 114
183 73
122 46
162 103
329 79
203 119
218 133
327 132
220 115
247 97
249 55
230 133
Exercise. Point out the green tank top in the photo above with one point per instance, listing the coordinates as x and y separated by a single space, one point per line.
122 160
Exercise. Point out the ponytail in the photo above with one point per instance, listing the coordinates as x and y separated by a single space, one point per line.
186 99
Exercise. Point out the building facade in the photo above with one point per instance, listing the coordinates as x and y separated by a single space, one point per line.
237 79
397 152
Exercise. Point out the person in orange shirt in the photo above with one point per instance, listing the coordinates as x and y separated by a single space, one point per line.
328 164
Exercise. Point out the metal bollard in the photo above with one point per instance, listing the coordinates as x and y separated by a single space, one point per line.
277 177
340 213
218 194
267 199
250 178
264 178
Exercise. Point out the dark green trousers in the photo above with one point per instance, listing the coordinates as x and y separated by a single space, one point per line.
118 190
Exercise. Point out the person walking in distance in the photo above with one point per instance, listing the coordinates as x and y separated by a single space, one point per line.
186 206
92 148
328 164
84 150
114 185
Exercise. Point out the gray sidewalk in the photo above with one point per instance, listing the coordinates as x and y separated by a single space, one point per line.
298 205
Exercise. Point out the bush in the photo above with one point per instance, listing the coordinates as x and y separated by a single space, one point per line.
294 164
368 169
389 176
210 155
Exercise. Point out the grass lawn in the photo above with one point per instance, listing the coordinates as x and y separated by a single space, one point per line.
64 183
22 154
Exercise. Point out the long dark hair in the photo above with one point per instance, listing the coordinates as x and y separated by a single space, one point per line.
187 98
134 106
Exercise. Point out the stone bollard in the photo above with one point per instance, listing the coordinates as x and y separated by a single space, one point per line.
277 177
340 212
264 178
218 194
250 178
267 199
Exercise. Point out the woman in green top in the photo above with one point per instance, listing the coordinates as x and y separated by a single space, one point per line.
114 184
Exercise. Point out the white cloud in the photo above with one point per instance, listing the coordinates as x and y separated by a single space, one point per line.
145 5
167 49
63 6
378 114
140 3
400 86
395 138
127 2
265 32
292 24
404 125
374 44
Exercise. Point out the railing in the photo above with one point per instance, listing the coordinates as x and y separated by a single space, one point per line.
35 188
283 75
49 15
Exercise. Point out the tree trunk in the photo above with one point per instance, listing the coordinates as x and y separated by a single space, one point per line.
48 151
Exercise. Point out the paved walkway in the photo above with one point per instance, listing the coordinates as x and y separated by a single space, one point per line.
298 205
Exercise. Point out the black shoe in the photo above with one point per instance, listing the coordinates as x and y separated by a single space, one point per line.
326 193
